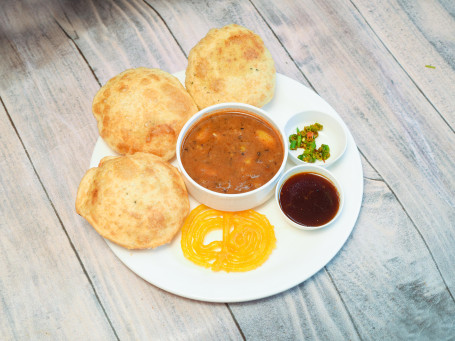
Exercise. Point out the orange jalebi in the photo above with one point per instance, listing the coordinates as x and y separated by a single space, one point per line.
248 239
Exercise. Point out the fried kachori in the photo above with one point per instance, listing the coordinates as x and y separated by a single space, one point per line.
142 110
230 64
137 201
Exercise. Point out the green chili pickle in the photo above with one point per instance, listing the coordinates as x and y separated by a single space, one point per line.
306 139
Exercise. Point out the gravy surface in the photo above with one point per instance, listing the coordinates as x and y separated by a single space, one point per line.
232 152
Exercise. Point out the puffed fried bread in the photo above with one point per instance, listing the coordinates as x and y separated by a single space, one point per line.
142 110
136 201
230 64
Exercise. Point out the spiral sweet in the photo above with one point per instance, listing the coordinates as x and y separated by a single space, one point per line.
248 239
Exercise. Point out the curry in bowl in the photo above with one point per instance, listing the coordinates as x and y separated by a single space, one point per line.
232 151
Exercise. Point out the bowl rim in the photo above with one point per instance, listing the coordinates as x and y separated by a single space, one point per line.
234 105
308 168
343 130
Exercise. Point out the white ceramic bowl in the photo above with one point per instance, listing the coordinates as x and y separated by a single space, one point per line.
309 169
333 134
222 201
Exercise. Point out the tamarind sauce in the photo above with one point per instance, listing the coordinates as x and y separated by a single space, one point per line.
309 199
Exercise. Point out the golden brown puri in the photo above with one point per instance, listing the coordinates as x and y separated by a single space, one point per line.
143 110
230 64
137 201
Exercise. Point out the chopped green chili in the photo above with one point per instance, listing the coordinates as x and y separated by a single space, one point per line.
293 145
306 139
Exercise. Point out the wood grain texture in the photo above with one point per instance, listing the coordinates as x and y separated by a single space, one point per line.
49 99
117 35
386 278
41 280
449 6
310 311
350 68
425 38
368 171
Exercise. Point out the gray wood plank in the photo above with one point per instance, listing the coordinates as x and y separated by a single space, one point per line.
392 295
449 6
45 293
396 128
419 34
48 88
310 311
117 35
368 171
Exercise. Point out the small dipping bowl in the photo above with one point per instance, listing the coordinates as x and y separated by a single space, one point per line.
332 134
318 172
225 201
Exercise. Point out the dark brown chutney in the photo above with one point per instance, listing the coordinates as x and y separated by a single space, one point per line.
231 151
309 199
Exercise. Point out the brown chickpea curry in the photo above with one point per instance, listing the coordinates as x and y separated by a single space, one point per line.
232 151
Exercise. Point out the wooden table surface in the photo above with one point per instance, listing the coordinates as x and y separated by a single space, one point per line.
387 67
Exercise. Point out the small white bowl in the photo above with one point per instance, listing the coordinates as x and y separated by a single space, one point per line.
309 169
333 134
222 201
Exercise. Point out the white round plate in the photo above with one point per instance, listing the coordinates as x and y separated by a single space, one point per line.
298 254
